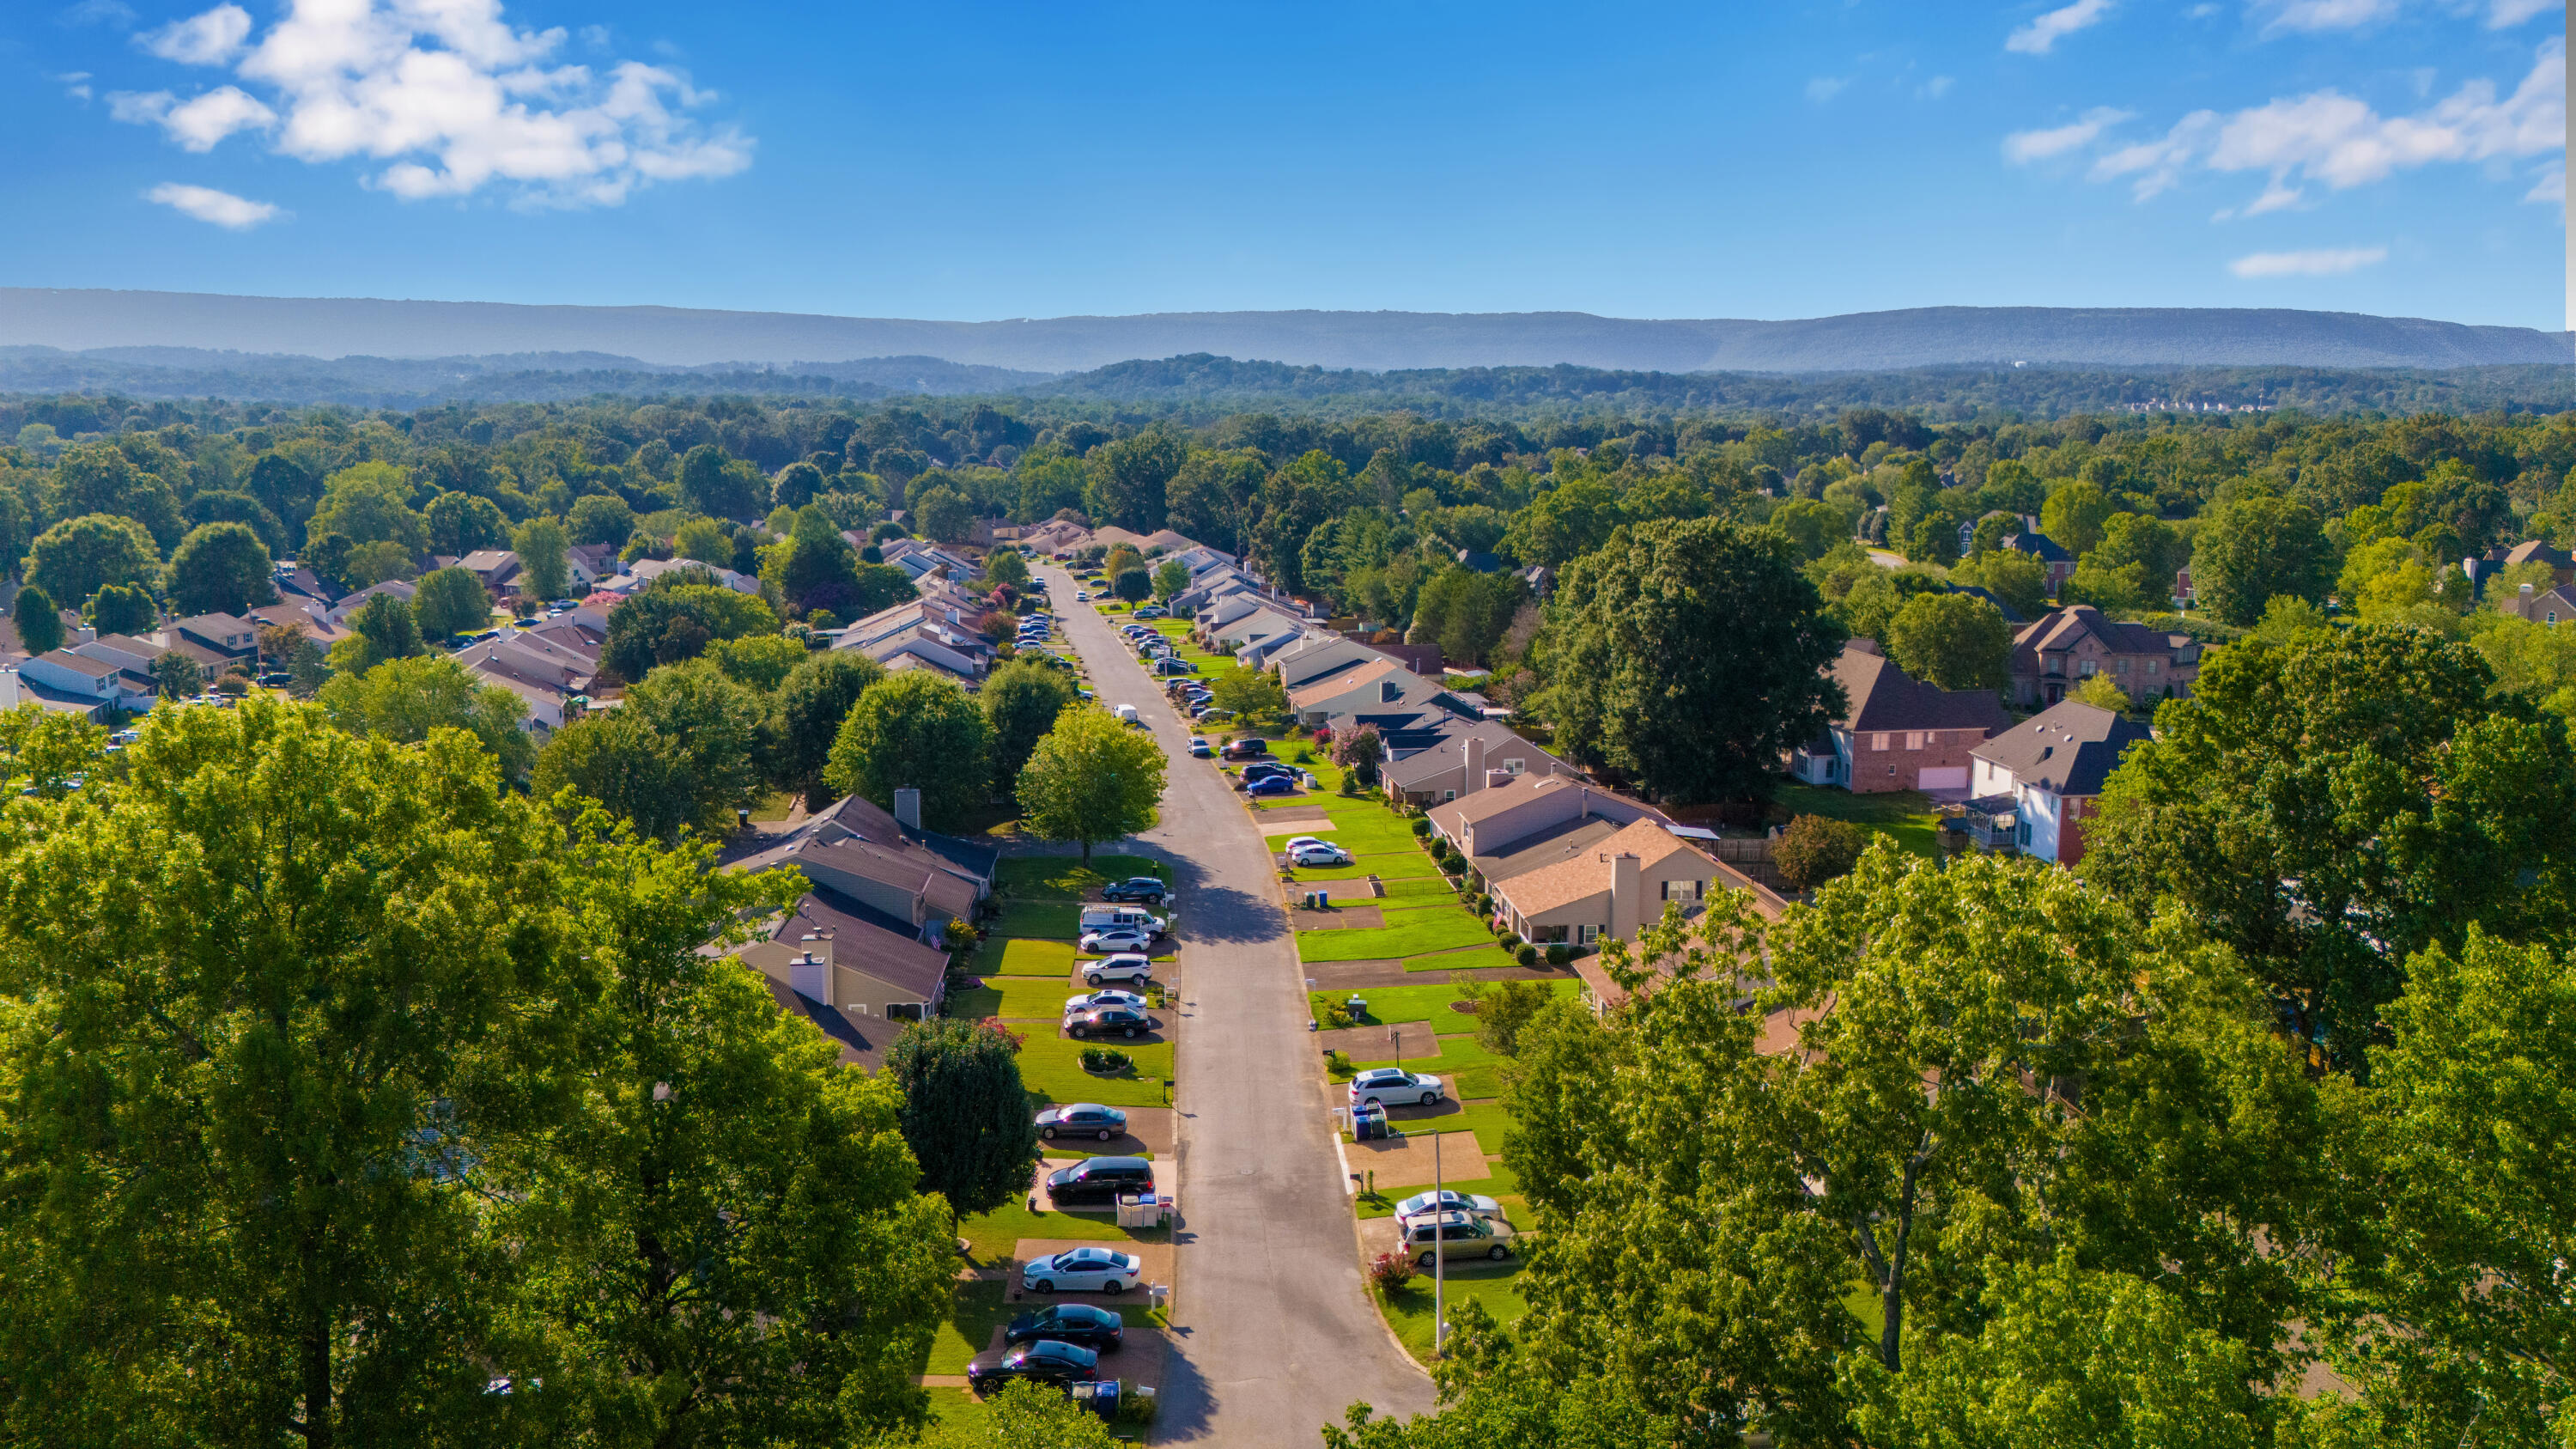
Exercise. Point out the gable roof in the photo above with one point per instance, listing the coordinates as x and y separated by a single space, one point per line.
2068 749
1882 697
2039 546
1448 751
2064 628
1589 872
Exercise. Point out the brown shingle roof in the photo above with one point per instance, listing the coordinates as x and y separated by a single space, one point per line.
1588 874
1883 697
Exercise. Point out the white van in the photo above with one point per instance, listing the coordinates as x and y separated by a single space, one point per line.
1108 918
1126 712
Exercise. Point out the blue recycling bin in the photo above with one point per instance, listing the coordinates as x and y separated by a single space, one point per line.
1368 1122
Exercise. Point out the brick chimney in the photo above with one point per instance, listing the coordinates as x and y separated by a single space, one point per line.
1625 889
1475 778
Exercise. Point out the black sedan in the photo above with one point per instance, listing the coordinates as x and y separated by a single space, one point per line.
1109 1021
1080 1324
1046 1361
1140 888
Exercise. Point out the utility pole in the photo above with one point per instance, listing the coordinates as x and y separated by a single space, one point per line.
1439 1250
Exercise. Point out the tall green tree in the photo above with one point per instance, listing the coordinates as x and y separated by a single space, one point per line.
1954 641
78 556
371 503
1130 478
625 765
715 731
218 506
1022 699
2074 515
1093 778
915 731
460 523
545 569
965 1112
2331 806
39 622
601 518
176 676
404 700
1691 655
676 618
383 628
219 568
721 487
124 609
811 702
1170 577
451 601
2254 549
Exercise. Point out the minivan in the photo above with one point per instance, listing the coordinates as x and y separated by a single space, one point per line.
1100 1180
1106 918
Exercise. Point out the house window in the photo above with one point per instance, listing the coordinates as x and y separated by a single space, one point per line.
1878 741
2553 618
1585 935
1448 795
2154 664
1684 890
1914 739
2119 666
1514 767
1548 935
2084 669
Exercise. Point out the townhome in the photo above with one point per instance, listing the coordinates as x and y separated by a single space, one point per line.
95 684
922 635
2554 606
1315 654
1497 825
2560 561
2063 647
1610 889
18 688
296 582
1362 689
1259 623
132 656
1461 759
2039 782
644 571
497 568
1897 732
588 563
232 640
399 590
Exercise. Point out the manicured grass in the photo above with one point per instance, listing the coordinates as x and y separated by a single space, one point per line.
1393 1004
1051 1067
957 1415
994 1235
1904 816
776 805
1044 920
1421 931
1034 998
1421 887
1502 1186
1065 877
999 957
1493 1285
1459 1050
1486 1119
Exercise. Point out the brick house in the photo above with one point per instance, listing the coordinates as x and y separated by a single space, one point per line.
2063 647
2039 782
1897 733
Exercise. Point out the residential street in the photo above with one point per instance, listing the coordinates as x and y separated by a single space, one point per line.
1273 1332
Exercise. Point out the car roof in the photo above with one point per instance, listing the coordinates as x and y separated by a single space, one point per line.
1120 1162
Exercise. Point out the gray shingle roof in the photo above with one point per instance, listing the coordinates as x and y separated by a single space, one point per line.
2069 749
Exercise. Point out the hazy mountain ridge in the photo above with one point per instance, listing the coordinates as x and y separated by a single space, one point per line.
83 320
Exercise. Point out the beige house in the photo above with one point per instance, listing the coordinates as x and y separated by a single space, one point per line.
1465 759
1503 819
1614 888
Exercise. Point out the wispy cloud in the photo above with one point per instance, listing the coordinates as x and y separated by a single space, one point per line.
2551 188
2513 12
2310 16
2044 31
96 12
1935 88
1825 87
439 98
2025 146
222 208
2322 263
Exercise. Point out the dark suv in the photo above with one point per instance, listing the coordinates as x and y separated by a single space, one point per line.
1246 749
1100 1179
1142 889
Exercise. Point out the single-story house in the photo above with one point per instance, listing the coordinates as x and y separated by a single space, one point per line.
1612 889
1464 758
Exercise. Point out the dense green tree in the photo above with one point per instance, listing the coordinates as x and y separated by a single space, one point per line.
545 569
41 749
383 628
1252 694
2074 515
404 700
451 601
371 503
1311 491
676 618
1029 1416
1093 778
460 523
626 765
1565 523
812 701
717 733
100 478
1170 577
370 564
2016 578
705 539
760 661
719 486
1131 478
1813 526
327 555
39 622
915 731
1214 496
1007 567
814 567
965 1112
601 518
78 556
941 514
1954 641
285 490
1467 613
217 506
124 609
1022 700
176 676
1049 482
1692 656
2251 550
1815 849
2333 805
1134 585
796 485
219 568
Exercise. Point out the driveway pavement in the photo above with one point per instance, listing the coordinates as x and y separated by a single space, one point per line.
1273 1333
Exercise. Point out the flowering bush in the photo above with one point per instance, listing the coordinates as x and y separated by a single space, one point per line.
1390 1271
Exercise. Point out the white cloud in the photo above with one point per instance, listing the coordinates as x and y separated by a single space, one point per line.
2513 12
1935 88
2046 30
2551 188
207 204
2323 263
441 98
97 12
2026 146
209 39
2317 15
1825 88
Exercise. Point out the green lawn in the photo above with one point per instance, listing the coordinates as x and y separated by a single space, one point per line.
980 1307
1000 957
1422 887
957 1414
1904 816
1029 997
1409 1309
1393 1004
1043 919
776 805
1065 877
1381 1205
1464 960
994 1235
1051 1067
1459 1050
1419 931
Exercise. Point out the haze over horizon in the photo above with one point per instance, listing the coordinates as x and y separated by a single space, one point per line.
2390 157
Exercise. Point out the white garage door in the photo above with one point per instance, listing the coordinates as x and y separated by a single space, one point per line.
1954 778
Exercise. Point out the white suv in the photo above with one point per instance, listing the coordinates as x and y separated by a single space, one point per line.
1395 1087
1128 966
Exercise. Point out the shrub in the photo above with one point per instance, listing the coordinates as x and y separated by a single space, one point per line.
1135 1408
1814 850
1106 1060
1510 939
1390 1271
1484 905
232 684
1558 955
1350 785
1527 955
1421 826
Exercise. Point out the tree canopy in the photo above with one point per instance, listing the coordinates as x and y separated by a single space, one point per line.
1092 778
915 731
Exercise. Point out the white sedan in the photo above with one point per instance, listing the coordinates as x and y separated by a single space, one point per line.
1083 1270
1318 855
1121 939
1091 999
1295 843
1395 1087
1425 1204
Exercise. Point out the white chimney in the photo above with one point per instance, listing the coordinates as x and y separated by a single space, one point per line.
907 808
811 976
1624 891
1475 765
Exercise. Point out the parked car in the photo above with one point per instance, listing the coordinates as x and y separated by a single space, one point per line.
1082 1119
1100 1180
1319 856
1084 1270
1294 841
1425 1203
1199 748
1275 785
1210 714
1109 916
1143 889
1458 1235
1124 1021
1080 1324
1082 596
1045 1361
276 680
1396 1087
1169 666
1152 611
525 621
1117 939
1131 966
1246 749
1110 996
1264 769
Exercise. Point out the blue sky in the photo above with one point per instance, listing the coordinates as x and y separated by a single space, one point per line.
975 160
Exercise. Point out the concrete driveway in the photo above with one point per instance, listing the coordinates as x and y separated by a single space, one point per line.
1273 1332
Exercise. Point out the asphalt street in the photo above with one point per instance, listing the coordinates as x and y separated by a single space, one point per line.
1273 1332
